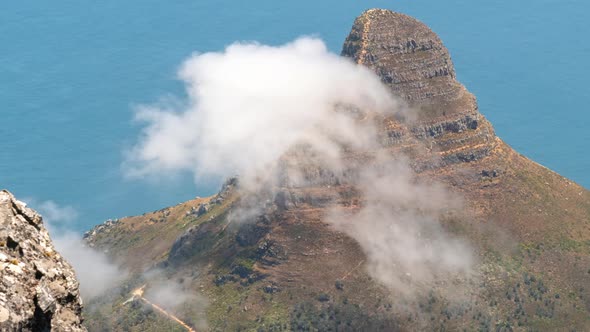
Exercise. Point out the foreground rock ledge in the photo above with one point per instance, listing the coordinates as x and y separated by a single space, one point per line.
38 288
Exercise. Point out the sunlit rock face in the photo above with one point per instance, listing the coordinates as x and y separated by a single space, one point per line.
38 288
412 60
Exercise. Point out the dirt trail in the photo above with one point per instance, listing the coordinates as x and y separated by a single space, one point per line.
169 315
137 294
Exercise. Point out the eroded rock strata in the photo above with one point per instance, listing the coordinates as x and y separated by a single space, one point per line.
412 60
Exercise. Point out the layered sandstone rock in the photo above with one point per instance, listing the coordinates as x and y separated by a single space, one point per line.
406 54
38 288
412 60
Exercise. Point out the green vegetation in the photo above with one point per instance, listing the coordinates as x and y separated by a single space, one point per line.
531 275
568 244
340 316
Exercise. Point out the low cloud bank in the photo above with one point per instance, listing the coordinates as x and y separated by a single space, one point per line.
249 104
252 105
397 227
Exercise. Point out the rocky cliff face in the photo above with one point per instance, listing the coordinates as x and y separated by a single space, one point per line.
38 288
408 56
412 60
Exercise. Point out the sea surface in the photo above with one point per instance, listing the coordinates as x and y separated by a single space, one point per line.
72 71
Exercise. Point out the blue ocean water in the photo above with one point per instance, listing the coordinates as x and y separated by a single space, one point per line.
71 72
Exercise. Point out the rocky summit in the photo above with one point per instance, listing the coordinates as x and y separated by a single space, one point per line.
412 60
285 267
38 288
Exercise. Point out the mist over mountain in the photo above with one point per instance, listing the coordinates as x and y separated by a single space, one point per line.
371 195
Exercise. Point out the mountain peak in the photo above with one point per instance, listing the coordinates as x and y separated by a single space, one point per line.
279 261
415 64
410 58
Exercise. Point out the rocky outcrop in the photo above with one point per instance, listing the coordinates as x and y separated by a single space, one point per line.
100 229
38 288
226 189
412 60
441 127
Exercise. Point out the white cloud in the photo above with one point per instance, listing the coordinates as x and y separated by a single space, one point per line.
55 214
252 108
94 270
251 103
397 227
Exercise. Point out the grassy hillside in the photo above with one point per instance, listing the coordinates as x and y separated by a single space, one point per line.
291 271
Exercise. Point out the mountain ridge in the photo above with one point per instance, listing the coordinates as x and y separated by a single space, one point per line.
287 269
